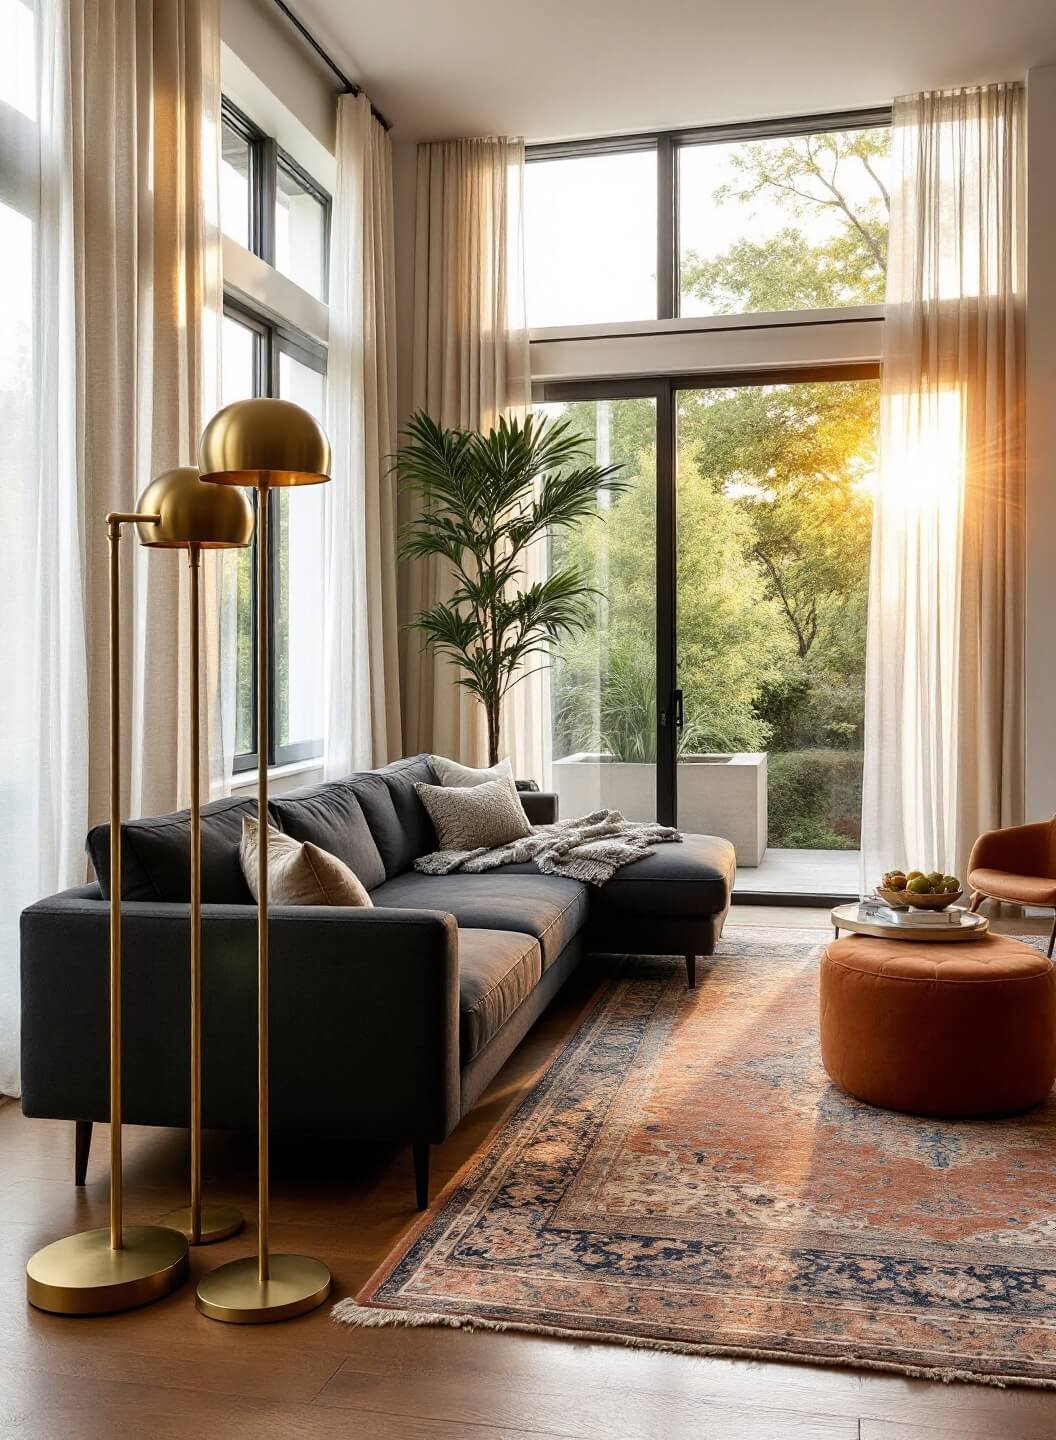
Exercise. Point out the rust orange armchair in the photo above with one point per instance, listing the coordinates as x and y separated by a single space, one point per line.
1018 865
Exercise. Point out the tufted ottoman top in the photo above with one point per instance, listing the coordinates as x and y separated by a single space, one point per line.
954 1029
989 959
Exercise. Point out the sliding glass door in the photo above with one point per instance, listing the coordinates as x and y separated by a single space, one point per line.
774 517
722 684
604 683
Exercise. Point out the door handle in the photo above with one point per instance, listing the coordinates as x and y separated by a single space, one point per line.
680 713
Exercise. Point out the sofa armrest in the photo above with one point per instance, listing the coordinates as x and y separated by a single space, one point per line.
539 805
364 1016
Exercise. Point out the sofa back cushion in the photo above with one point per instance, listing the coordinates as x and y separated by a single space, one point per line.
401 829
331 817
156 856
373 821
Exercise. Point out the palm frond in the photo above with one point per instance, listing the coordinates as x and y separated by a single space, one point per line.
484 499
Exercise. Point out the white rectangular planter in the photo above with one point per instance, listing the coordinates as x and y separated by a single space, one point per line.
717 794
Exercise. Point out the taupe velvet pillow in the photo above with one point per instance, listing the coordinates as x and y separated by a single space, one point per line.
475 817
299 873
451 773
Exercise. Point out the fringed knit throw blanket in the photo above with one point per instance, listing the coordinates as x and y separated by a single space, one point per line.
591 848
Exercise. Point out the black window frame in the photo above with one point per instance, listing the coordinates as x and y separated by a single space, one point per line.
664 390
285 162
266 159
668 145
273 339
260 166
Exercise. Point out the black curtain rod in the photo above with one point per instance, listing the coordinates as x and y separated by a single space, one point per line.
350 86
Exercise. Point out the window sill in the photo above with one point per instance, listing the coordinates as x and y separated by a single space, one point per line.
704 324
247 779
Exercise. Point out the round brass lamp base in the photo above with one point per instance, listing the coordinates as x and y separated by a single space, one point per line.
295 1285
218 1222
82 1275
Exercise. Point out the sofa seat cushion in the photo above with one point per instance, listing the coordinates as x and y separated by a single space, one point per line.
497 971
693 878
548 908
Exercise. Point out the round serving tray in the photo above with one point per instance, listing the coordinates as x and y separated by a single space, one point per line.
970 927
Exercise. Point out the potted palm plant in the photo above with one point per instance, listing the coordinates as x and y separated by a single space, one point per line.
486 500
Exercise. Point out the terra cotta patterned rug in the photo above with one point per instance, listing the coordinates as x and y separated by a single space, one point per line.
684 1175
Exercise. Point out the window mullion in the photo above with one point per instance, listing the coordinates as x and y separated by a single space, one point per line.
666 229
265 187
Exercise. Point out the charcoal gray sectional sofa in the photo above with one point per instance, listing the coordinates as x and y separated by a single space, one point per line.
387 1023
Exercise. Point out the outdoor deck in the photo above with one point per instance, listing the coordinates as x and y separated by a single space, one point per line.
801 872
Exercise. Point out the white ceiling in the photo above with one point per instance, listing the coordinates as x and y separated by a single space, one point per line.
551 70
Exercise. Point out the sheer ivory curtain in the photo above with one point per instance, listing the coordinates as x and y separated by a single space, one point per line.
107 373
361 660
144 253
944 672
470 366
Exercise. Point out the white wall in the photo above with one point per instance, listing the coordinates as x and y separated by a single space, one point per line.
1041 443
268 44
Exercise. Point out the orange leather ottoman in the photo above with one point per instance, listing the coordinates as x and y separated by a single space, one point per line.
939 1029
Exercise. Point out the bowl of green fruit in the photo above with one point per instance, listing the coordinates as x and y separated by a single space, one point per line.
918 890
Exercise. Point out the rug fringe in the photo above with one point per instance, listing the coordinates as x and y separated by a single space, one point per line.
350 1312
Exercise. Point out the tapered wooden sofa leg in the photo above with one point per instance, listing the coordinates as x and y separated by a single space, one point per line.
421 1173
691 971
1052 936
976 900
81 1149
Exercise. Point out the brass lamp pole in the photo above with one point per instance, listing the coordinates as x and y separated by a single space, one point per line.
263 444
120 1266
196 517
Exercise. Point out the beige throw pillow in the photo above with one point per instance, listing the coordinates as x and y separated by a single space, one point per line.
299 873
475 817
450 772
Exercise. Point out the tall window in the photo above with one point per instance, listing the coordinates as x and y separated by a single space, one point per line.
273 208
732 576
19 202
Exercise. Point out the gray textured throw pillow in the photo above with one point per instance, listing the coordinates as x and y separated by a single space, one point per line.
450 772
475 817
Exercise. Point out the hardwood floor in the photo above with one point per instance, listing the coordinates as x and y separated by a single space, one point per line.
167 1372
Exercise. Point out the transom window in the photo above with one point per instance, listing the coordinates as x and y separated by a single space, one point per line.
783 216
270 205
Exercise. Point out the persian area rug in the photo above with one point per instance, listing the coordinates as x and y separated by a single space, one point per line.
684 1175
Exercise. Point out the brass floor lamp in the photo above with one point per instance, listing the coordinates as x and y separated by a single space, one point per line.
264 445
119 1266
196 517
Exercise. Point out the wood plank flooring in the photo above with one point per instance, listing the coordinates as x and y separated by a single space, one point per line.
166 1372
